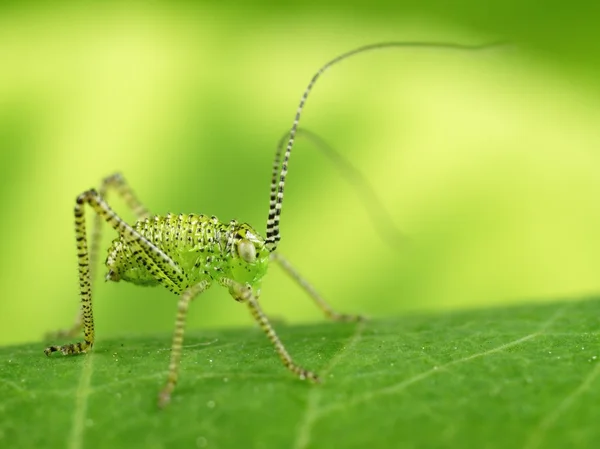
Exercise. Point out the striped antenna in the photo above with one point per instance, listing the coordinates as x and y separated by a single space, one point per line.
280 168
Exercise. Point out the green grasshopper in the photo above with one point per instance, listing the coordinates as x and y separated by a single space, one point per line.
187 253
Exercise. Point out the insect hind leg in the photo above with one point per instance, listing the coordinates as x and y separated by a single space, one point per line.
159 264
113 182
116 182
319 301
87 317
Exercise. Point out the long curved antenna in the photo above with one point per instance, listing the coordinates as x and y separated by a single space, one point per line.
280 171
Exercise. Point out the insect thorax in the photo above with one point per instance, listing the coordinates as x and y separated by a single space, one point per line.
201 246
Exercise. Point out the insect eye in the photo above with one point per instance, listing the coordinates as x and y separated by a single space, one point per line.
247 251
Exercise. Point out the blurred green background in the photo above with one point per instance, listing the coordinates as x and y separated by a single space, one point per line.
489 161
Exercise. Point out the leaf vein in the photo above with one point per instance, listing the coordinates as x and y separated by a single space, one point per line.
81 396
551 418
311 412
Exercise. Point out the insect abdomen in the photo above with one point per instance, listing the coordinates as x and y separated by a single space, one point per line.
191 241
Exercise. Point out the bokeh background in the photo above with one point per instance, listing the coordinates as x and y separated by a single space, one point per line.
488 162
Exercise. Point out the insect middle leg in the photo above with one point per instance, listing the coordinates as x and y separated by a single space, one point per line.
321 303
113 182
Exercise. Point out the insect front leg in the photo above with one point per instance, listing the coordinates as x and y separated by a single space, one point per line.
182 308
113 182
321 303
244 293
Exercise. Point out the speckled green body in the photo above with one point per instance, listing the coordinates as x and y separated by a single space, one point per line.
204 248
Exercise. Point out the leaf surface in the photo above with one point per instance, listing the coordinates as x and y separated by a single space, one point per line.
523 377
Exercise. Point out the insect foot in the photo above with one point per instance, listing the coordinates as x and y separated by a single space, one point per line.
344 318
164 397
73 348
310 376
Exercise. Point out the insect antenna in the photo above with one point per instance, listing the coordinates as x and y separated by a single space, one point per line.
280 167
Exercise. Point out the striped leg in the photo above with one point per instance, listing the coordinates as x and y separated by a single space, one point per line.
158 263
113 182
321 303
85 285
182 308
243 293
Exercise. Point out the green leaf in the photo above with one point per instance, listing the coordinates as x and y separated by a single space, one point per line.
517 377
